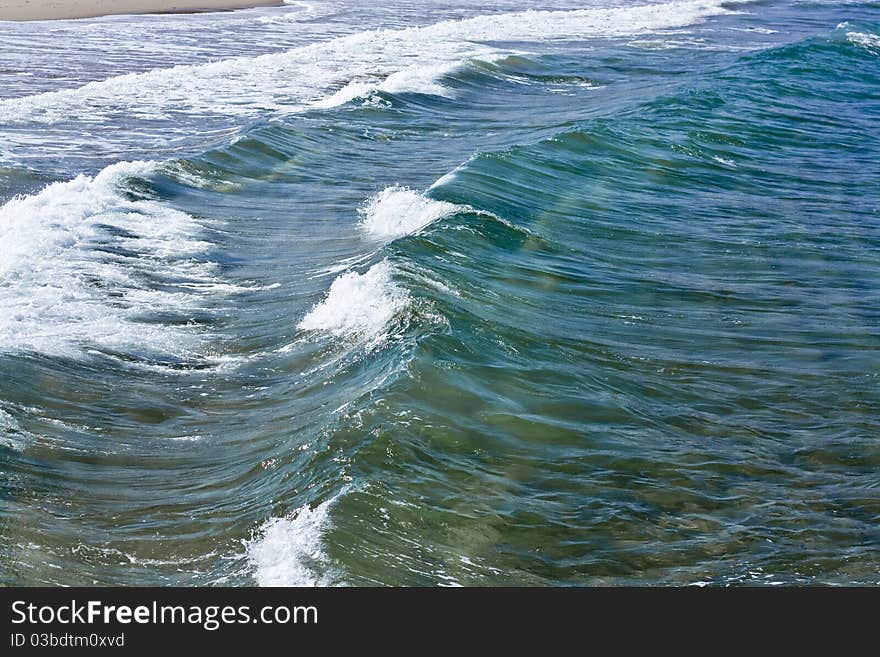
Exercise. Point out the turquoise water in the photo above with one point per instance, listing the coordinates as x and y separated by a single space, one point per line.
446 294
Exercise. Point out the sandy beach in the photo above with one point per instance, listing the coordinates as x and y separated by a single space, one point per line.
34 10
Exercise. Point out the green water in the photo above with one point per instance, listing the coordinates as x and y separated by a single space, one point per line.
611 317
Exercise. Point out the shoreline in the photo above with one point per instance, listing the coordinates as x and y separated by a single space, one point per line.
41 10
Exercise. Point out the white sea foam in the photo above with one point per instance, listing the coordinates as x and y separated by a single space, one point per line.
756 30
288 551
422 79
354 89
870 42
7 421
359 305
8 431
304 11
403 60
414 79
398 211
77 261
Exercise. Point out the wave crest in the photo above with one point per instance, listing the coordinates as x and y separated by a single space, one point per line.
397 211
359 305
289 551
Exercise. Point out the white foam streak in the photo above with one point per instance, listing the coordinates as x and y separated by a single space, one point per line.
289 551
398 211
359 305
421 79
870 42
414 79
75 263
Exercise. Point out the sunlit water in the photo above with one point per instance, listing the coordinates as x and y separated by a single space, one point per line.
442 293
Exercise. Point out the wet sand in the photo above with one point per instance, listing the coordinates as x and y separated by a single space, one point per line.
32 10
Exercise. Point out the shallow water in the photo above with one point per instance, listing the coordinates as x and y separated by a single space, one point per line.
442 294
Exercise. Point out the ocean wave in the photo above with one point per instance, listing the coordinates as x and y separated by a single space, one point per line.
865 40
359 305
296 79
305 11
397 211
77 262
289 551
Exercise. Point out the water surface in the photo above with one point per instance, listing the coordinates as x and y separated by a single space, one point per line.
553 293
